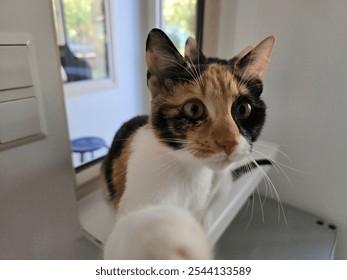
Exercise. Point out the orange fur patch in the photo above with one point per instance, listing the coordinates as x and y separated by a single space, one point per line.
119 172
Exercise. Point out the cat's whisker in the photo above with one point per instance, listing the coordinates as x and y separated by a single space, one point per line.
285 155
194 146
163 167
266 191
167 166
192 66
196 69
249 168
245 73
246 77
252 213
248 67
261 205
244 83
262 143
294 169
276 165
199 57
187 80
245 211
273 187
267 184
176 140
183 67
118 175
248 88
195 78
168 163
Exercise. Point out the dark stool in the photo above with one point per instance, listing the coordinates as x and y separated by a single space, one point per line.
87 145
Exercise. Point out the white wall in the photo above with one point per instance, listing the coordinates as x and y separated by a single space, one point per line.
305 90
38 211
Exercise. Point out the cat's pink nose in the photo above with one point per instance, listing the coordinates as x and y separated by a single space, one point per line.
228 146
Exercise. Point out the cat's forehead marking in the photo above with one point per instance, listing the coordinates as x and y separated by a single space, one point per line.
216 85
220 82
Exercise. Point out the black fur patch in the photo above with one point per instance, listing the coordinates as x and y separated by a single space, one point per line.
173 128
165 126
125 131
254 86
252 126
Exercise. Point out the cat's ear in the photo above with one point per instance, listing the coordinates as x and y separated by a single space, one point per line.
164 62
192 52
237 58
252 63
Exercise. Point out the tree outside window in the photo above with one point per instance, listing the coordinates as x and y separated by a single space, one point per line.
179 20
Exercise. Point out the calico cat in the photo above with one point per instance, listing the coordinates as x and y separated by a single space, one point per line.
205 115
158 232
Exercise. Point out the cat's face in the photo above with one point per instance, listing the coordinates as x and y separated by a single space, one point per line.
208 109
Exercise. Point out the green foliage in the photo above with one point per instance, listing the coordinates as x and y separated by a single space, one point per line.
180 13
78 20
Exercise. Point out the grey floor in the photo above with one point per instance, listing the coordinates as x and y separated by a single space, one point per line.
85 249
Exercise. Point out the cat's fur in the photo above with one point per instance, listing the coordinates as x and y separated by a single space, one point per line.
205 115
158 232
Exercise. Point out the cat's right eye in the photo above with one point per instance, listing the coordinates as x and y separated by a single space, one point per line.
194 109
243 111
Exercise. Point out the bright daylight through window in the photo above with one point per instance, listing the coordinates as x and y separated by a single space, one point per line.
82 39
178 20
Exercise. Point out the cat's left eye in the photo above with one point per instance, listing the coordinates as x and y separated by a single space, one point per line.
243 111
194 109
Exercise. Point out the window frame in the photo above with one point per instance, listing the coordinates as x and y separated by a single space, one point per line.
89 170
199 27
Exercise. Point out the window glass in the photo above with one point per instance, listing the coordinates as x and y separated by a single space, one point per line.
83 49
178 20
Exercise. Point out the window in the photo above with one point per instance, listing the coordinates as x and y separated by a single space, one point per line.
95 105
179 20
84 43
82 40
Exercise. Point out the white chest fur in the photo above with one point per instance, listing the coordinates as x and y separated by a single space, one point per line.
156 174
